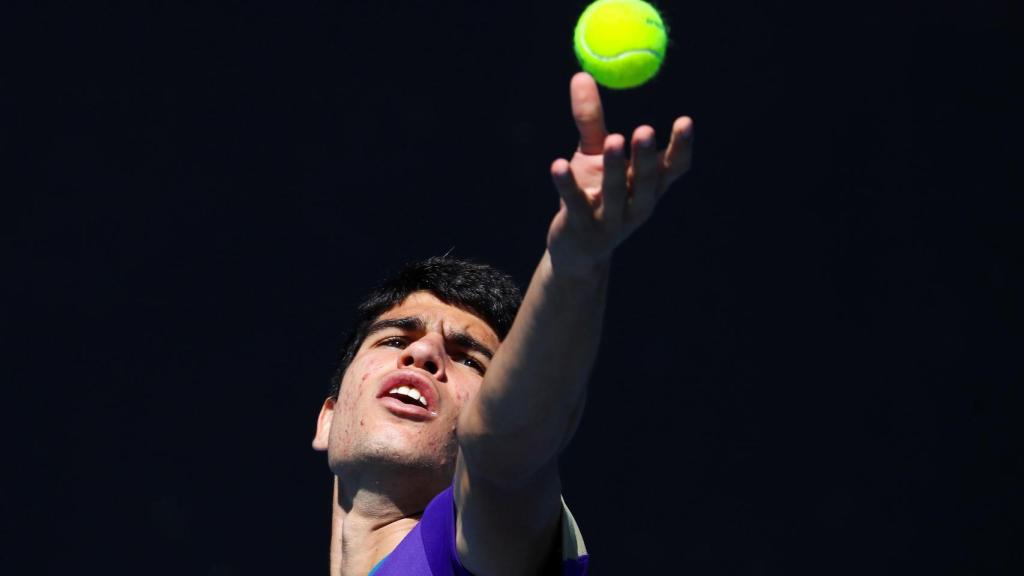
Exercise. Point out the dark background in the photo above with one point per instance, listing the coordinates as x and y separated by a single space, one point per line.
812 356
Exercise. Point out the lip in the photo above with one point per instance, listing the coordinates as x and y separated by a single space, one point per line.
412 380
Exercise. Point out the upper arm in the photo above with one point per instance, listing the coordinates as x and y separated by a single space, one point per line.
503 530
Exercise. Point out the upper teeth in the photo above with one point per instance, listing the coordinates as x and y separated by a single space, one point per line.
410 392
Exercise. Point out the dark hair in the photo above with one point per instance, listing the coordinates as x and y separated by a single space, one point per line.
485 291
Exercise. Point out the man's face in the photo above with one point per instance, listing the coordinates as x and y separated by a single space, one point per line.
401 396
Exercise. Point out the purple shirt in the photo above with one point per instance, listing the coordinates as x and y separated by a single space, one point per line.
429 549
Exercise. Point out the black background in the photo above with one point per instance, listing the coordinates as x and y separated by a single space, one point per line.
812 355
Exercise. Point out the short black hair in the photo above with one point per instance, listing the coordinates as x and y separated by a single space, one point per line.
481 289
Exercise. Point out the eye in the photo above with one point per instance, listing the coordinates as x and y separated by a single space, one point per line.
468 360
393 342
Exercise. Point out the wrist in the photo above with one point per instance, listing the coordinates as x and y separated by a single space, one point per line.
574 270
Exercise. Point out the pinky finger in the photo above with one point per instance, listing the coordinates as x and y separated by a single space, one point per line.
677 158
575 199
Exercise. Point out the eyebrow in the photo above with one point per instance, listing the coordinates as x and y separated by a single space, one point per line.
416 324
407 323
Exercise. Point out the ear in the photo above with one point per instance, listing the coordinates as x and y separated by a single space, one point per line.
323 425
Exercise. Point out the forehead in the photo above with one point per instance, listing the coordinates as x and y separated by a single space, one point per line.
442 317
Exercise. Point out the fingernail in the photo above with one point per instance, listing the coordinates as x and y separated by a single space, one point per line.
647 143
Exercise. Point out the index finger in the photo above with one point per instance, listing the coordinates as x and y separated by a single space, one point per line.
587 111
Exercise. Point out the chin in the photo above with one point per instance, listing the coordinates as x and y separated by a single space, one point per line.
398 453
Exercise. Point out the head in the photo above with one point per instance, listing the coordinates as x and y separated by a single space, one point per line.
431 329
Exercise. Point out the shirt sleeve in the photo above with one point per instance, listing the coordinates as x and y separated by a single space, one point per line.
430 550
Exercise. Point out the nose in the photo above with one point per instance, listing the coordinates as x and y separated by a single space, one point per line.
427 353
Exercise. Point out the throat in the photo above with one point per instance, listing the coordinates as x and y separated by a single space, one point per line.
361 550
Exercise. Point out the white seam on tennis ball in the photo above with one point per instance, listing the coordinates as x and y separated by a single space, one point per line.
620 54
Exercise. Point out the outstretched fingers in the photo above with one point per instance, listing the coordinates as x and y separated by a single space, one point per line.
575 199
614 187
676 160
646 173
588 113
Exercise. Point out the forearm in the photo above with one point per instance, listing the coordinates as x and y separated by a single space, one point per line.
533 393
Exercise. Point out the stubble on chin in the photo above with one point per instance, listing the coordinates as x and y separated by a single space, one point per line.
394 453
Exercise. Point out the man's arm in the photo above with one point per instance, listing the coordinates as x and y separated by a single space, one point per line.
507 487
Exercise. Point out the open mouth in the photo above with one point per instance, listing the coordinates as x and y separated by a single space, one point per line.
408 395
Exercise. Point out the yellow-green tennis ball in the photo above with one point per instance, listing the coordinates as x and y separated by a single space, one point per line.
621 43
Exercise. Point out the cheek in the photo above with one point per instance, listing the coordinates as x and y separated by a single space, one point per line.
360 377
365 368
466 393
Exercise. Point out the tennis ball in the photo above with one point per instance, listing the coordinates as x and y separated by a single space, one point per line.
621 43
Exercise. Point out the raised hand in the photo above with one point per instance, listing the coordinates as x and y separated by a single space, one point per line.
604 196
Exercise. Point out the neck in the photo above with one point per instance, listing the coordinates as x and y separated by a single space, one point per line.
369 519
